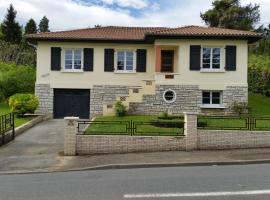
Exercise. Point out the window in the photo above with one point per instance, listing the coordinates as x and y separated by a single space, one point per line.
211 58
125 61
73 59
211 98
169 96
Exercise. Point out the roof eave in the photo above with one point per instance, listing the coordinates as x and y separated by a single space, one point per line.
97 40
250 39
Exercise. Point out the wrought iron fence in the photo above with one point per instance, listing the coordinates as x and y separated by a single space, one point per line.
234 123
152 128
7 124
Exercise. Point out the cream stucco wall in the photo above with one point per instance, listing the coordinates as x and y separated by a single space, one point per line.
183 76
61 79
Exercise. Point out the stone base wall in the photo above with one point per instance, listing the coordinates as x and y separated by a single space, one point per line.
104 94
87 144
45 95
220 139
188 100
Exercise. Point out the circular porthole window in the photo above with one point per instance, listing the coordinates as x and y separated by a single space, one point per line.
169 96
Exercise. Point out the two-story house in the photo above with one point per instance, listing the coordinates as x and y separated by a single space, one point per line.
151 70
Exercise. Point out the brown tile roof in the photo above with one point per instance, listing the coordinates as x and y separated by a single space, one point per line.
102 33
204 31
140 33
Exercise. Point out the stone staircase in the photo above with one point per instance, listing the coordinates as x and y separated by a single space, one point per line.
135 95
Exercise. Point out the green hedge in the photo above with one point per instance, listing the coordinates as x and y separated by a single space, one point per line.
259 74
16 79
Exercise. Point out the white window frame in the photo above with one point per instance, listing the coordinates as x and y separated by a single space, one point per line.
125 67
211 69
174 98
64 62
211 105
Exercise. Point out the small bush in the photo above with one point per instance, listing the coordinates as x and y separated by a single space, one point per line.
202 124
166 116
169 123
120 109
240 108
23 103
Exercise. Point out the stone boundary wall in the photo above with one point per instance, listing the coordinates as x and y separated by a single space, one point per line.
227 139
97 144
193 139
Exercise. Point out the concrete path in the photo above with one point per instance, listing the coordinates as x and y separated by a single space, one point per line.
36 149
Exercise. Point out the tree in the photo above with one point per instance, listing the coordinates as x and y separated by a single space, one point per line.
30 27
11 29
230 14
44 25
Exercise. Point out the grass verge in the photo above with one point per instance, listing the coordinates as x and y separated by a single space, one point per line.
4 109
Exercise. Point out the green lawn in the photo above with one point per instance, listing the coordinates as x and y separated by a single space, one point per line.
4 109
260 106
119 125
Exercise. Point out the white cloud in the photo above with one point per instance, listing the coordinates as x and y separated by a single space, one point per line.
138 4
71 14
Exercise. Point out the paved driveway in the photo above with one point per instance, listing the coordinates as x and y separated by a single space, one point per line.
37 149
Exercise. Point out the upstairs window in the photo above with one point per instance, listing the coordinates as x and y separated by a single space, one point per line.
125 61
211 58
73 59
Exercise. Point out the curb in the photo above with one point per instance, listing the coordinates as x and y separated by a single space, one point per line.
142 165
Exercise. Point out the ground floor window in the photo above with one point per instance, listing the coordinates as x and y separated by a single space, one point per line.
211 97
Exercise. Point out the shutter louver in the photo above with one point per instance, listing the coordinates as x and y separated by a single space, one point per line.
88 59
230 64
195 57
109 60
55 58
141 60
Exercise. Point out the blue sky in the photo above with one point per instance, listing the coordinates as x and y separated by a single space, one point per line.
72 14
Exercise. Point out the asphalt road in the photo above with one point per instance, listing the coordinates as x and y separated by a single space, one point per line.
202 182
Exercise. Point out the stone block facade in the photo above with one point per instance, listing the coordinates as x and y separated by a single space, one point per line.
189 99
45 95
104 94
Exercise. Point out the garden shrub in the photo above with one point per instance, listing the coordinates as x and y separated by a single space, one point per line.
166 116
120 109
16 79
23 103
240 108
259 74
202 124
169 123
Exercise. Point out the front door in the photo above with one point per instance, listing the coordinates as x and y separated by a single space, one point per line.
167 59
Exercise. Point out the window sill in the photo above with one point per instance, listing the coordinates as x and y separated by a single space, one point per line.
212 71
125 72
213 106
72 71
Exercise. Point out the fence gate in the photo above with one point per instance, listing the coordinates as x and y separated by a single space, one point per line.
7 128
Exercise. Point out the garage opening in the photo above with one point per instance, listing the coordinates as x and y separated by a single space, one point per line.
71 102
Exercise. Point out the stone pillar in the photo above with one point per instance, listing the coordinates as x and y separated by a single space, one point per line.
191 131
71 130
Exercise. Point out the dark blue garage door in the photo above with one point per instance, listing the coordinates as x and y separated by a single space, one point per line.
71 102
